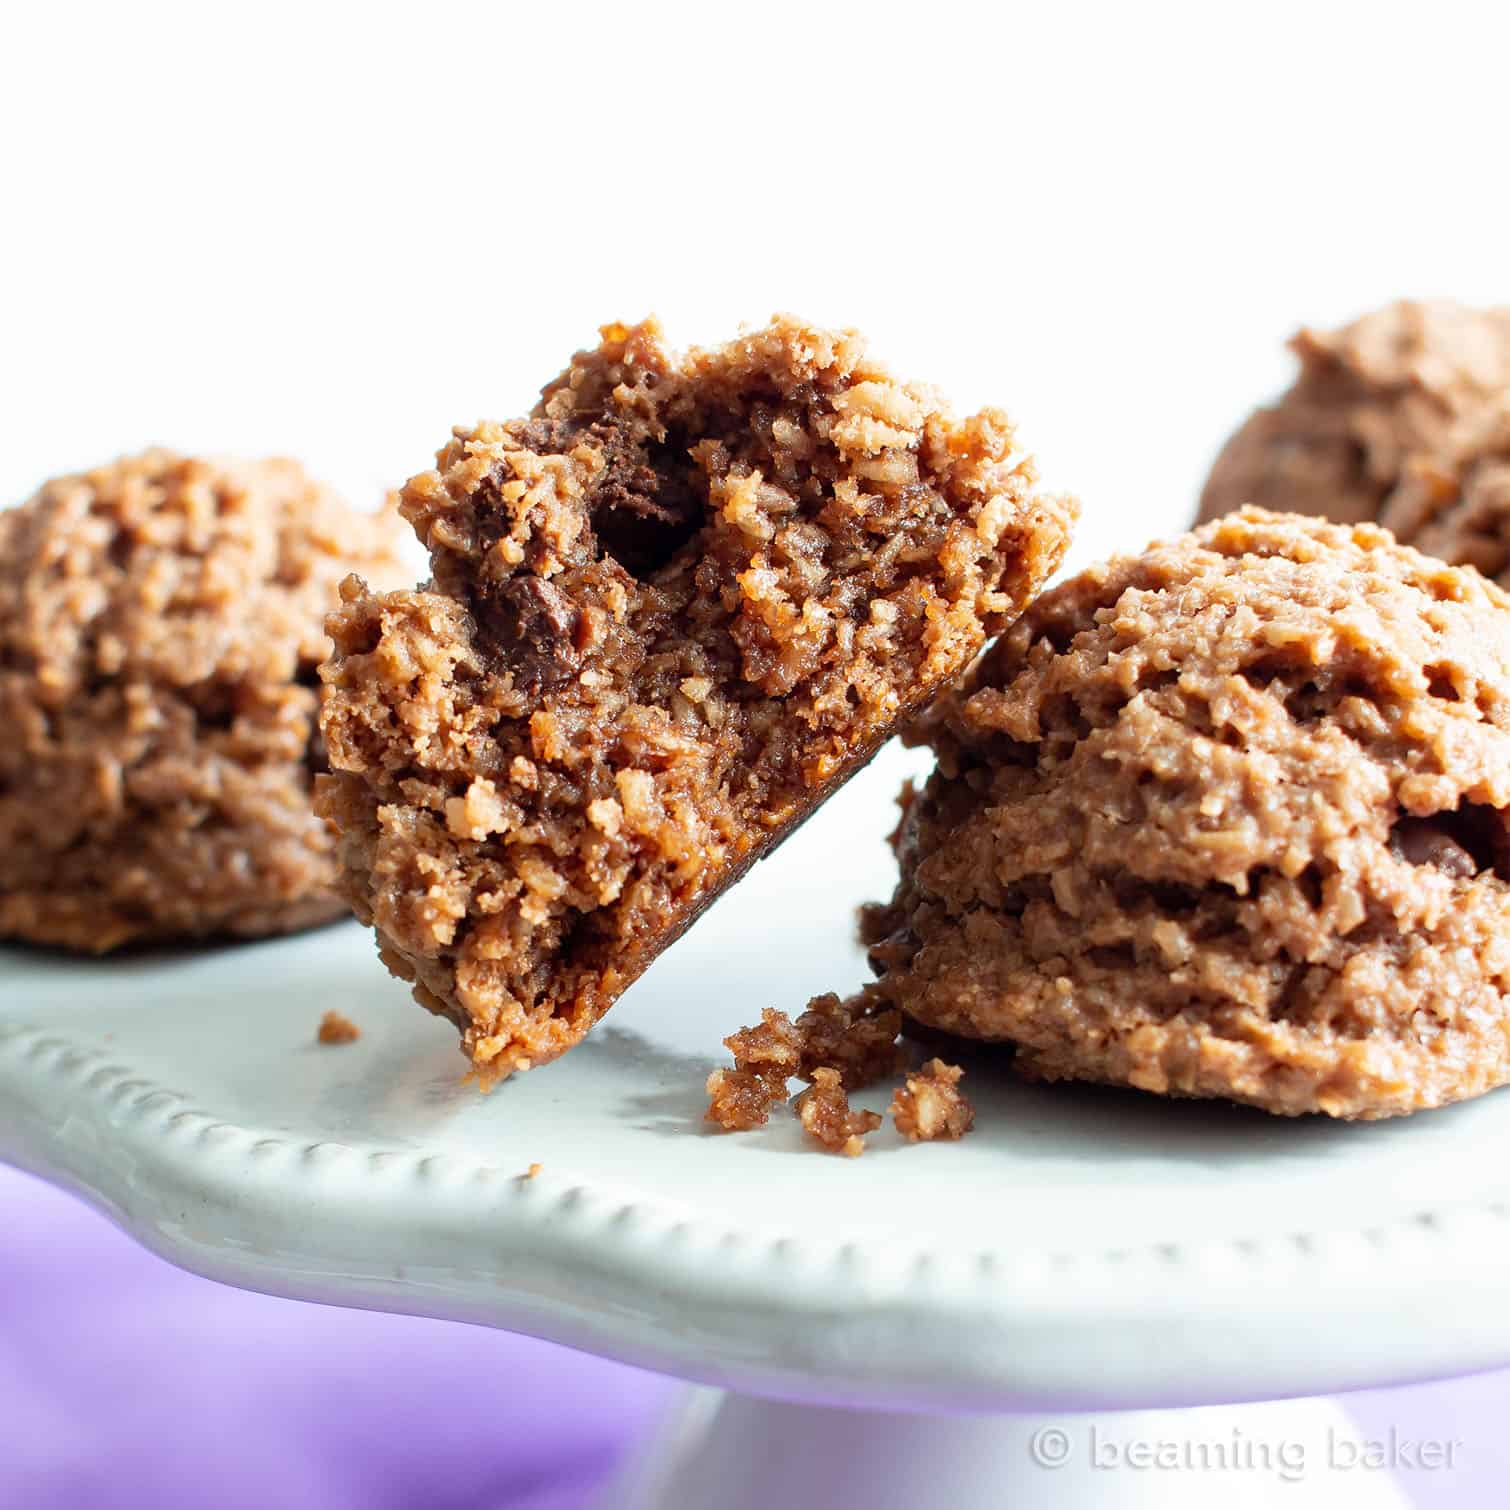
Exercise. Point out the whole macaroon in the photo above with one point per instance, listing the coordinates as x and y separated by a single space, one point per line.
1229 818
161 622
1402 418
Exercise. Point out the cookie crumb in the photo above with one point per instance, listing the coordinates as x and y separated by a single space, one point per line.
772 1049
838 1045
766 1056
741 1100
823 1110
334 1028
931 1105
855 1036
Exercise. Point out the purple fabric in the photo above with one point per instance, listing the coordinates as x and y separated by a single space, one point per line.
1470 1412
125 1383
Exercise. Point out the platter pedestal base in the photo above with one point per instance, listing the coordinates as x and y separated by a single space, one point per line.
720 1451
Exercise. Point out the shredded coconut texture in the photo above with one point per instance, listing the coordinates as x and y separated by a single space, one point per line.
824 1111
670 611
855 1039
930 1106
160 630
1403 418
1228 818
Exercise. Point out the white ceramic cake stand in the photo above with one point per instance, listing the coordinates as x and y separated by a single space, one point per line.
1082 1251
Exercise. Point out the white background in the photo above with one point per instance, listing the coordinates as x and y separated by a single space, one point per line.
336 231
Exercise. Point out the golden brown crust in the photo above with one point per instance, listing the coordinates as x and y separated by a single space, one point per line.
670 611
1228 818
160 626
1402 417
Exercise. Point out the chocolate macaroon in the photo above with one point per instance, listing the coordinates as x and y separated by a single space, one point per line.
1228 818
1401 418
161 622
671 610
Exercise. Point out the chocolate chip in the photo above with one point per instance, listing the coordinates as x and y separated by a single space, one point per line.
1419 841
534 625
646 505
1462 843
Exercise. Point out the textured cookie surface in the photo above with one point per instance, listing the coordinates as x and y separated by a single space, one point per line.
160 630
1228 818
670 611
1403 418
